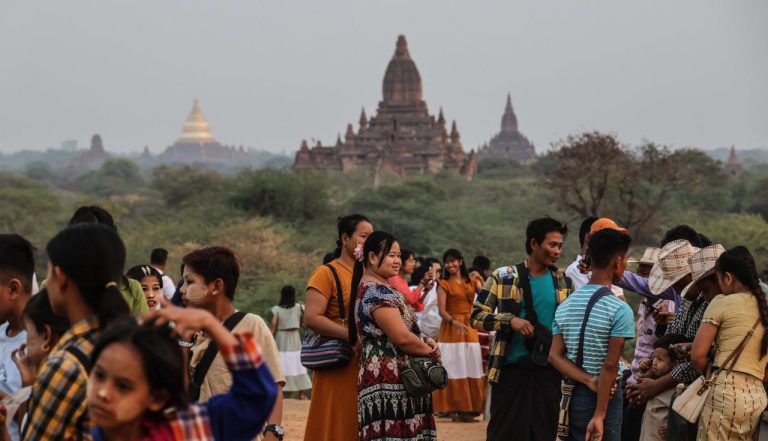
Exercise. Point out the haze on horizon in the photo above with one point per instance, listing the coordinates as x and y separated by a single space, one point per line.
269 74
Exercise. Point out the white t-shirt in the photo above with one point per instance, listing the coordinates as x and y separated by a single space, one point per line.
169 288
429 318
580 279
10 377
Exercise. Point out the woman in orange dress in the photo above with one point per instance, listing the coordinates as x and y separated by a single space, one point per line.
464 397
333 409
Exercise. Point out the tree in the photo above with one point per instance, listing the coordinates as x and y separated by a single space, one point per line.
286 195
116 177
187 185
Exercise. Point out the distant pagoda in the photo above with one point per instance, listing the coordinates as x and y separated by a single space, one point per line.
402 137
197 145
509 143
733 166
94 157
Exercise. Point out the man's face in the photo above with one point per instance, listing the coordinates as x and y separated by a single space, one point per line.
620 266
548 252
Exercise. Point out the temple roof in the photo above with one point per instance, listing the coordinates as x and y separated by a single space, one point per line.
196 128
509 120
402 82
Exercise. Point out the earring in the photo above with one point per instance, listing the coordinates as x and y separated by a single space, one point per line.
45 347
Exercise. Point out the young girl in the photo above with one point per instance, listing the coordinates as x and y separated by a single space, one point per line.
136 389
151 283
86 263
287 319
665 358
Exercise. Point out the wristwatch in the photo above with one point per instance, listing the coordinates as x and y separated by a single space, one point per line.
276 429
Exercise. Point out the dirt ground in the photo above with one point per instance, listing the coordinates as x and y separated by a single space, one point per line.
295 417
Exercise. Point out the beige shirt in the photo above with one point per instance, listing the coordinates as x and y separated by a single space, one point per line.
218 380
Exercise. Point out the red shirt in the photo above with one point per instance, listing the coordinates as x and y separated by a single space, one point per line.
411 295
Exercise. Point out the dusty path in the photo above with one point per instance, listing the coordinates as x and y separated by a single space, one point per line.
295 416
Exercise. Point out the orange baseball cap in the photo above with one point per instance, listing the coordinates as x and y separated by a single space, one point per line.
603 223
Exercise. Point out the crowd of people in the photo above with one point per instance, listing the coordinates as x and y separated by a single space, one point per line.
392 341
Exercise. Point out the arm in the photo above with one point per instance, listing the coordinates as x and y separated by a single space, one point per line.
605 383
273 325
391 322
315 319
705 336
565 366
639 285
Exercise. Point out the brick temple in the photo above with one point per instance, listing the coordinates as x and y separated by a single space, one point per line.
509 143
402 137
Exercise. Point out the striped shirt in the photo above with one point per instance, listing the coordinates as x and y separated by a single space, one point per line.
610 317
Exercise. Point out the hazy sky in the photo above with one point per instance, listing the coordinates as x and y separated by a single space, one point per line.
269 73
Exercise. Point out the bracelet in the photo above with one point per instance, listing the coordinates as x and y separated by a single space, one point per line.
184 344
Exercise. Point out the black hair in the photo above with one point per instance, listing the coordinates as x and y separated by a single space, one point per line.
39 312
480 264
739 262
158 256
328 258
347 225
378 243
405 254
161 356
213 263
93 214
606 244
682 232
93 257
17 259
586 225
537 230
287 296
139 272
704 241
456 255
665 341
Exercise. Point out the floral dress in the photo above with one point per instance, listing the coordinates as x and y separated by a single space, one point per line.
385 409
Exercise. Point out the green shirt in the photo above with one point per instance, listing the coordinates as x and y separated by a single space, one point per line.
545 304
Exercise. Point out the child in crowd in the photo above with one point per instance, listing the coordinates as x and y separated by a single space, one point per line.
44 328
151 283
666 356
17 266
136 388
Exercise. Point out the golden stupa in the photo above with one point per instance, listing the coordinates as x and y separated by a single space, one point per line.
196 129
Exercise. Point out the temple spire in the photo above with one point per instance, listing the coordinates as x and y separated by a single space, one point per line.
509 103
441 117
454 132
196 128
363 119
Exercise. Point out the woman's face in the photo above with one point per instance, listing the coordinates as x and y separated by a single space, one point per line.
362 231
390 263
38 346
194 291
452 266
152 291
409 265
725 280
119 394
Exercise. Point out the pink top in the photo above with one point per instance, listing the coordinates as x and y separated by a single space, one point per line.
411 295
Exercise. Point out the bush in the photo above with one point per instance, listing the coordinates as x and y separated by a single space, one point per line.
285 195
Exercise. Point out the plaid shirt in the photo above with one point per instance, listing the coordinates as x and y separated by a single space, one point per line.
57 407
687 322
497 303
239 414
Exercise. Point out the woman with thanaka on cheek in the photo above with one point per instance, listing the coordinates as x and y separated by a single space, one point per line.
151 283
86 263
388 334
136 390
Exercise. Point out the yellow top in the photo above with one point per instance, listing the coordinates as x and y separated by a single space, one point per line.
734 315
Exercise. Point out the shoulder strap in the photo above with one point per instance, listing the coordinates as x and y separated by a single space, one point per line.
524 283
84 360
201 370
339 294
599 294
734 357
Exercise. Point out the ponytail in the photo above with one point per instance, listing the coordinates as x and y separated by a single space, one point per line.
379 243
739 262
93 257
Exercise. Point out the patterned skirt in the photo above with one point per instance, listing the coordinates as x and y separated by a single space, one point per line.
733 408
385 409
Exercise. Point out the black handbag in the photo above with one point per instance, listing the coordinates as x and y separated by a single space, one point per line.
319 352
538 346
422 375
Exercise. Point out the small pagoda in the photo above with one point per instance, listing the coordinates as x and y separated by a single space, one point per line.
733 165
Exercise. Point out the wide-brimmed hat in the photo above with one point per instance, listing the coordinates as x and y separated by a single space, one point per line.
603 223
650 256
702 264
671 266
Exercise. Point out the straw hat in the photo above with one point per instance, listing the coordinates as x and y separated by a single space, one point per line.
672 265
650 256
702 263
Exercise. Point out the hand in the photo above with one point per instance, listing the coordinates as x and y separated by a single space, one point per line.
592 385
522 327
595 429
186 321
24 364
461 327
3 414
645 364
435 354
644 390
583 267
